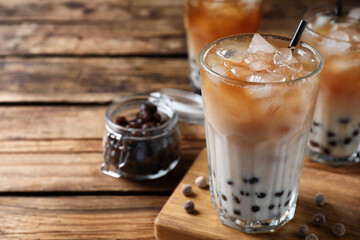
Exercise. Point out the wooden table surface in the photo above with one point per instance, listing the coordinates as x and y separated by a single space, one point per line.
61 63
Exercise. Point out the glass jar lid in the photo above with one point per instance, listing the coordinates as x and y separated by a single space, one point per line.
188 105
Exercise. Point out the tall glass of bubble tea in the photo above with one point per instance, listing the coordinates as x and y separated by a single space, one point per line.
259 99
208 20
334 137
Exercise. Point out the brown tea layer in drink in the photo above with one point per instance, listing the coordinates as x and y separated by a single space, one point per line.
335 130
208 20
259 98
263 109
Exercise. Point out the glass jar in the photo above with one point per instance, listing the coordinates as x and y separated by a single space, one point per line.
149 153
137 153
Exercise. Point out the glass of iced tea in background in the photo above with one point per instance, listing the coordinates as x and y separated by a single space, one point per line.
208 20
259 99
335 132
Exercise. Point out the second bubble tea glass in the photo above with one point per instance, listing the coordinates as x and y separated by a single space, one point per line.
334 137
208 20
259 98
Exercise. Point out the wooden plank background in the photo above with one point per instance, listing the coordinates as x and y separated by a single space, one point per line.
61 62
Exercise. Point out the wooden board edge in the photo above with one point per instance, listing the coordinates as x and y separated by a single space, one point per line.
161 229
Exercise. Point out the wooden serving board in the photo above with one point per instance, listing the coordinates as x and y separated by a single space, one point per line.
341 187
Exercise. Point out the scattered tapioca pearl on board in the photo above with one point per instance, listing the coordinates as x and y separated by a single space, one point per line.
271 206
201 182
189 206
186 189
320 199
229 182
223 197
311 236
319 219
338 229
302 230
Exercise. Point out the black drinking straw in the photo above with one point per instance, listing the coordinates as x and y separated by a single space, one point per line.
339 9
299 31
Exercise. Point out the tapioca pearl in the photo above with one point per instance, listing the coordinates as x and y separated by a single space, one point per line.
344 120
223 197
242 193
279 194
237 199
279 206
355 133
261 195
347 140
229 182
237 212
289 193
271 206
332 143
252 180
326 150
330 134
255 208
286 203
314 144
225 210
316 124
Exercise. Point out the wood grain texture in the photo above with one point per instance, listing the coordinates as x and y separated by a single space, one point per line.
89 10
31 27
58 148
341 191
87 80
64 123
141 37
80 172
87 217
91 27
